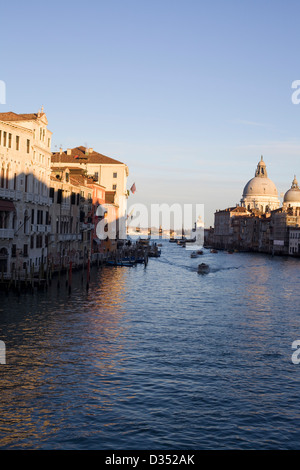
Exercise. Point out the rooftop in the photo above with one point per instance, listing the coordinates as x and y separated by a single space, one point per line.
82 155
10 116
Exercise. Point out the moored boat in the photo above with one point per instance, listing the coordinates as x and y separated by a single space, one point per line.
120 263
190 240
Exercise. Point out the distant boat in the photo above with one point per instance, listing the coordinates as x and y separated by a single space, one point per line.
203 268
120 263
213 250
154 253
194 254
199 252
190 240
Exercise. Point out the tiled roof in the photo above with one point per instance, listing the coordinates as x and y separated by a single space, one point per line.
10 116
80 180
81 154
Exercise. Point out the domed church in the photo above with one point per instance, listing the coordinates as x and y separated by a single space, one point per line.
292 196
260 192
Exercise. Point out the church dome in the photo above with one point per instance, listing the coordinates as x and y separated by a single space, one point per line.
260 192
260 185
293 194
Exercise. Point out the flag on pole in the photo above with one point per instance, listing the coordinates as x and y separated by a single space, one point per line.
133 188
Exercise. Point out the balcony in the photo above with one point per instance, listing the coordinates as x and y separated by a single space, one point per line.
10 194
88 226
7 233
41 228
67 237
37 199
29 197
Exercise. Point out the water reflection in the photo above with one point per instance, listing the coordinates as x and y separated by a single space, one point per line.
49 335
154 358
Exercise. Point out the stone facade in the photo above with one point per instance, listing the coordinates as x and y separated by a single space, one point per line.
49 205
25 160
106 171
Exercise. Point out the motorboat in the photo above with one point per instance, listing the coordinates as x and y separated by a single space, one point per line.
120 263
203 268
194 254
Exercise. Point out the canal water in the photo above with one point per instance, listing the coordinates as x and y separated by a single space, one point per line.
156 358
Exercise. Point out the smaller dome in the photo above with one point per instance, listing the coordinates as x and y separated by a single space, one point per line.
293 194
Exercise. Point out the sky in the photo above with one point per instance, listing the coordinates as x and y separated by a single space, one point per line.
189 94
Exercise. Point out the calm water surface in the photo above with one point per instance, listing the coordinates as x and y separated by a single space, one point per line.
156 358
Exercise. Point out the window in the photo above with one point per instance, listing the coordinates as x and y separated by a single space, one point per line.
9 141
114 187
25 251
115 175
14 251
59 196
17 142
4 139
0 137
28 145
2 177
39 241
40 216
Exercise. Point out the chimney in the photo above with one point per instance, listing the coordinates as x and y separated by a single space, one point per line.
91 150
61 150
69 151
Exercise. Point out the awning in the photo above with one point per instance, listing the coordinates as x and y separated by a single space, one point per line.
6 205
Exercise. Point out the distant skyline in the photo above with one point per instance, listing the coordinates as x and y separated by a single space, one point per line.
188 94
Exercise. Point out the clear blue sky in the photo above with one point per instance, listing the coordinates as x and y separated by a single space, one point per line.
188 93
